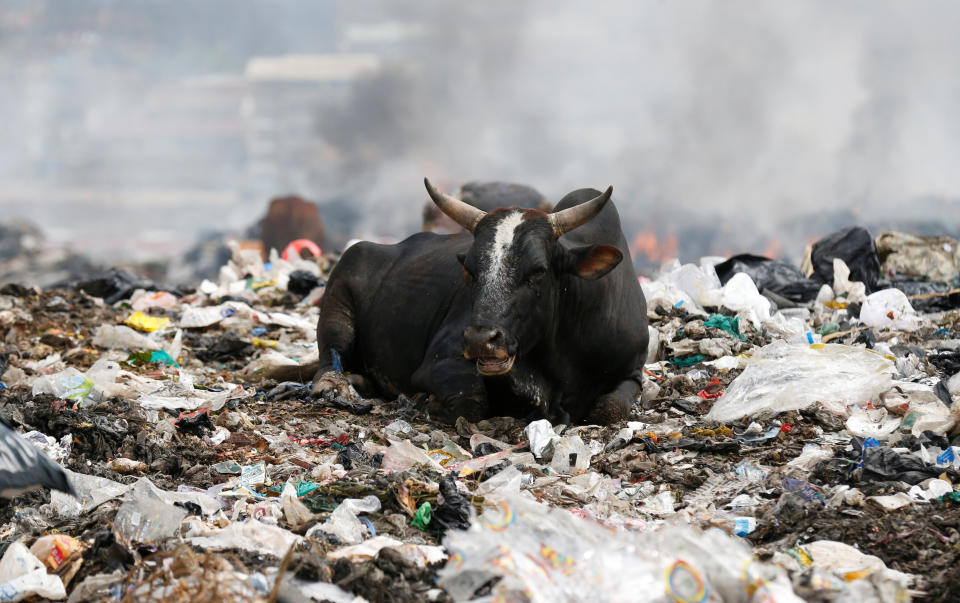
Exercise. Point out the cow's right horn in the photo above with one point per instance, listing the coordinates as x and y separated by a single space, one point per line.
462 213
567 219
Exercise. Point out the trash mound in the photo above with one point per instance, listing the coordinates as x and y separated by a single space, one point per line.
797 439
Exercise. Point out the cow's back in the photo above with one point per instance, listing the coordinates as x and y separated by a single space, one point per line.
400 295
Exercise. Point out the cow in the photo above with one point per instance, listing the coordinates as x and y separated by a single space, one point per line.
486 196
525 313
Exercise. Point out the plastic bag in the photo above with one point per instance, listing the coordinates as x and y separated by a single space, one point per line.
771 275
253 536
570 456
546 554
843 286
343 521
119 336
856 248
782 377
22 575
145 518
294 511
541 436
889 309
24 467
68 384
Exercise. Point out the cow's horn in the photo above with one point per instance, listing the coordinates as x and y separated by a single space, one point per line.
462 213
566 220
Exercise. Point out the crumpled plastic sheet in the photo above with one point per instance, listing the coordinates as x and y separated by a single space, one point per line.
251 535
782 376
549 554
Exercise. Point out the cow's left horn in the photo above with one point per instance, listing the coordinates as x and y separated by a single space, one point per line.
566 220
462 213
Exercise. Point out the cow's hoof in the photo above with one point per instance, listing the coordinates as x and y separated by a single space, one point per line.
332 382
609 409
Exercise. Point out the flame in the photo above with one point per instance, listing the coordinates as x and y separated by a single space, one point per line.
772 250
647 244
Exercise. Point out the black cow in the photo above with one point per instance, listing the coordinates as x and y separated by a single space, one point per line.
526 313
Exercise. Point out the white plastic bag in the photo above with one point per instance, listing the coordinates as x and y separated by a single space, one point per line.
782 377
889 309
22 575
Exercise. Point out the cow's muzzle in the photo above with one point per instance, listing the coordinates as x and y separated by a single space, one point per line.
488 347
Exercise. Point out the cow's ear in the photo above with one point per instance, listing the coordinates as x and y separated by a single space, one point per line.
593 261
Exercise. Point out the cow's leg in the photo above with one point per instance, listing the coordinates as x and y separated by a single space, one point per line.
336 332
615 405
456 388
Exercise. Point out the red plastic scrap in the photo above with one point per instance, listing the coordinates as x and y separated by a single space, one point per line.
786 428
712 391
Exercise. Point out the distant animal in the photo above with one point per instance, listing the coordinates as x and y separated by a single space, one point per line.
525 313
288 219
486 196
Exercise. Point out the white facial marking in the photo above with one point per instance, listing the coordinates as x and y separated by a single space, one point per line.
495 278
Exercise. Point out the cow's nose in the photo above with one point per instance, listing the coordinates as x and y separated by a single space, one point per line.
482 340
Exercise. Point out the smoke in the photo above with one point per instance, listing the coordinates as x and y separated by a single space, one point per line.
738 118
722 125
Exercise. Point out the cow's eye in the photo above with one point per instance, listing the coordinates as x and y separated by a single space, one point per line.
535 276
467 277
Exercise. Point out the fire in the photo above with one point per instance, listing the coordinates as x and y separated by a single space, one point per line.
772 250
647 244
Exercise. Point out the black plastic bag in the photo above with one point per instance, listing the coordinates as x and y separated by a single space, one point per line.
454 512
24 467
779 277
856 248
302 282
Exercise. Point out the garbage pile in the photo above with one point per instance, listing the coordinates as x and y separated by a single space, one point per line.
796 440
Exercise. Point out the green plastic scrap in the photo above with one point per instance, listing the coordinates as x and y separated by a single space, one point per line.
827 328
138 358
730 324
421 518
688 361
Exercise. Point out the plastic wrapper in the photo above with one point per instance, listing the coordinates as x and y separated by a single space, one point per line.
294 511
402 455
91 492
570 456
889 309
119 336
842 559
253 536
68 384
25 467
541 436
147 519
343 521
22 575
843 287
54 549
546 554
782 377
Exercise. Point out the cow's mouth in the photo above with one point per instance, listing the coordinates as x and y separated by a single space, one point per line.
495 366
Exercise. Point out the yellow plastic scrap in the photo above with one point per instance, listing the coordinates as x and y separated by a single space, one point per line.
441 456
146 323
837 305
257 285
264 343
